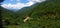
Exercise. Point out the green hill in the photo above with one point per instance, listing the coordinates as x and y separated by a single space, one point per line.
44 15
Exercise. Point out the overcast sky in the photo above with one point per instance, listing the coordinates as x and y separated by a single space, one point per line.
18 4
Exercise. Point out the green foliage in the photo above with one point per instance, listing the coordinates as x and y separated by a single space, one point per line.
44 15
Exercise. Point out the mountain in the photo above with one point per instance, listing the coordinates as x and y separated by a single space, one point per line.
27 8
39 7
42 15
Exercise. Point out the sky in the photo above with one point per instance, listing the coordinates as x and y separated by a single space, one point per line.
18 4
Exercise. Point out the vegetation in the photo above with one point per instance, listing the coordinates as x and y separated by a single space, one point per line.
44 15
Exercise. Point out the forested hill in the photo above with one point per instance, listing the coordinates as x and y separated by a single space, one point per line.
44 15
45 7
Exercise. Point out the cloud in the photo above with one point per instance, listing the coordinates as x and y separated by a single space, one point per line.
37 0
20 5
29 3
13 6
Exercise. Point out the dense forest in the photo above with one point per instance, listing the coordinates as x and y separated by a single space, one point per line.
42 15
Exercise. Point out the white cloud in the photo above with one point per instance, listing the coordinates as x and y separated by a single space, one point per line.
37 0
29 3
13 6
20 5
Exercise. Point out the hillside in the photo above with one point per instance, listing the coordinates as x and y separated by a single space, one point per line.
44 15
